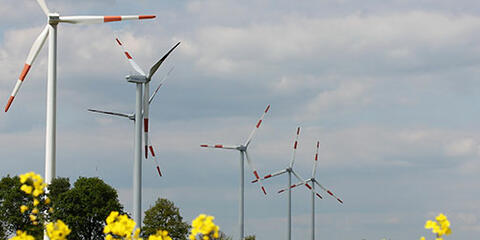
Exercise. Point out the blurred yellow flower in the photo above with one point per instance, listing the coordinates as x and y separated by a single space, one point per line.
21 235
119 226
58 230
204 228
23 208
440 227
160 235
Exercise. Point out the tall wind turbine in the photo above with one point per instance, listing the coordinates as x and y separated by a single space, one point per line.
243 154
53 19
290 171
141 111
313 181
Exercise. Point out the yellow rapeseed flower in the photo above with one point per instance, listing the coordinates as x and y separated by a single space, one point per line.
35 186
439 227
35 211
204 228
160 235
21 235
58 230
23 208
119 226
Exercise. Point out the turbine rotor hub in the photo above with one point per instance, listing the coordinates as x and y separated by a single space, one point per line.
53 18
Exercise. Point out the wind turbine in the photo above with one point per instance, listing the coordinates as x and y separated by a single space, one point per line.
313 181
290 171
53 19
131 116
243 154
141 111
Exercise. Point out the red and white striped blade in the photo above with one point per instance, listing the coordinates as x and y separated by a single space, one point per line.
101 19
219 146
44 7
328 191
32 55
129 57
292 186
259 123
152 151
160 85
271 175
295 145
306 184
255 172
146 108
314 171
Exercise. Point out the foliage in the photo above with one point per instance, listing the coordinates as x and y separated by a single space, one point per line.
85 207
439 227
250 237
166 216
11 201
204 228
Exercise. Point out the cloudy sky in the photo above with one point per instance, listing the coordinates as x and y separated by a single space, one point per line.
387 86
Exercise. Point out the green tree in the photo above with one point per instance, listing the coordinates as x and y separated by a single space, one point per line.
11 198
164 215
85 207
250 237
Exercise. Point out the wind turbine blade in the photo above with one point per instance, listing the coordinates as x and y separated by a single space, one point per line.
32 55
160 85
110 113
295 144
101 19
157 65
44 7
292 186
255 173
130 58
259 123
271 175
304 184
219 146
146 110
328 191
156 160
316 161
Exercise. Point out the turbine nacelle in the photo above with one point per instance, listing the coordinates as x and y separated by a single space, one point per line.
242 148
136 78
53 18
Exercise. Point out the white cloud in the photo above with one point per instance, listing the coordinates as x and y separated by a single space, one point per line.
462 147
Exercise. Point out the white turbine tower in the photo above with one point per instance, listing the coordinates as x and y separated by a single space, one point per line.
244 154
290 171
313 181
143 101
53 19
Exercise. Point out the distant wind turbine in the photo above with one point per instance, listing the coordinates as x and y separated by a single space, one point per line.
244 154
